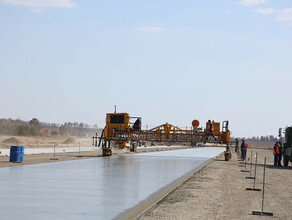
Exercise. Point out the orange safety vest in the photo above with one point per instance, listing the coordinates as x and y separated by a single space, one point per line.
277 149
209 127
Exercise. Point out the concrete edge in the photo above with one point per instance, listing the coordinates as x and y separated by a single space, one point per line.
139 210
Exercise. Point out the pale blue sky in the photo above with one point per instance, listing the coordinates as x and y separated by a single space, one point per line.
167 61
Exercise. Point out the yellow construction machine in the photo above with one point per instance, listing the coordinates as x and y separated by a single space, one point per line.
123 131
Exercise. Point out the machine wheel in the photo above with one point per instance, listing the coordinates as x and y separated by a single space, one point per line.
133 147
106 152
227 156
103 152
285 161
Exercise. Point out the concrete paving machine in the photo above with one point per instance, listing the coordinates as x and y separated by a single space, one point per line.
287 145
125 131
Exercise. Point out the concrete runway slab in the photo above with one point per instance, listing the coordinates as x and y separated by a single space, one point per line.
28 151
98 188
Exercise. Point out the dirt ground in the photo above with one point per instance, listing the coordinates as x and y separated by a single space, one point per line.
219 192
260 144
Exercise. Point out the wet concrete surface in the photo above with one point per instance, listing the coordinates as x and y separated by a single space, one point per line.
98 188
29 151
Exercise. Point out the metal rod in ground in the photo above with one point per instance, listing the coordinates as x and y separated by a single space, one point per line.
255 170
255 175
250 164
54 154
262 213
250 177
79 151
263 194
245 167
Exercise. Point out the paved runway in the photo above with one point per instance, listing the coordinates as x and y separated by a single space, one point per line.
98 188
27 151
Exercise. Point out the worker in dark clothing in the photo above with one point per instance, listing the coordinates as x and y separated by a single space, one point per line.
236 145
210 129
281 150
137 125
243 150
276 152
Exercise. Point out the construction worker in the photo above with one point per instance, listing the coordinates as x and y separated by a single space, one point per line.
236 144
281 149
243 150
137 125
210 129
276 153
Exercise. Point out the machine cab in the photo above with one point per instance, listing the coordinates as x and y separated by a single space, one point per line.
118 121
123 122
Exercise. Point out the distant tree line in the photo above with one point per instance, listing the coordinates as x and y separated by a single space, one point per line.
268 138
19 127
264 138
36 128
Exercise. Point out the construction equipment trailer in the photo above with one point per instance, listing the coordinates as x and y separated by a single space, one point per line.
287 146
120 129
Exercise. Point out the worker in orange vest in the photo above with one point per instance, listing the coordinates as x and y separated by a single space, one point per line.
276 152
210 129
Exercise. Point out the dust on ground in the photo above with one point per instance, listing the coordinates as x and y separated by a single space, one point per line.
69 140
11 140
43 142
219 192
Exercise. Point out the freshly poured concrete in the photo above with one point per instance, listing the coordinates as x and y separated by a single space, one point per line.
27 151
98 188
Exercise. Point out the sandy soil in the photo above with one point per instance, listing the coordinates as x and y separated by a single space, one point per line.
219 192
42 142
48 158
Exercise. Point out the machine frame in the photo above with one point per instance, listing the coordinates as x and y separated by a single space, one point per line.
118 129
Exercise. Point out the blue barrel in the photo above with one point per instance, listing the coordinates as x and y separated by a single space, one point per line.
17 154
